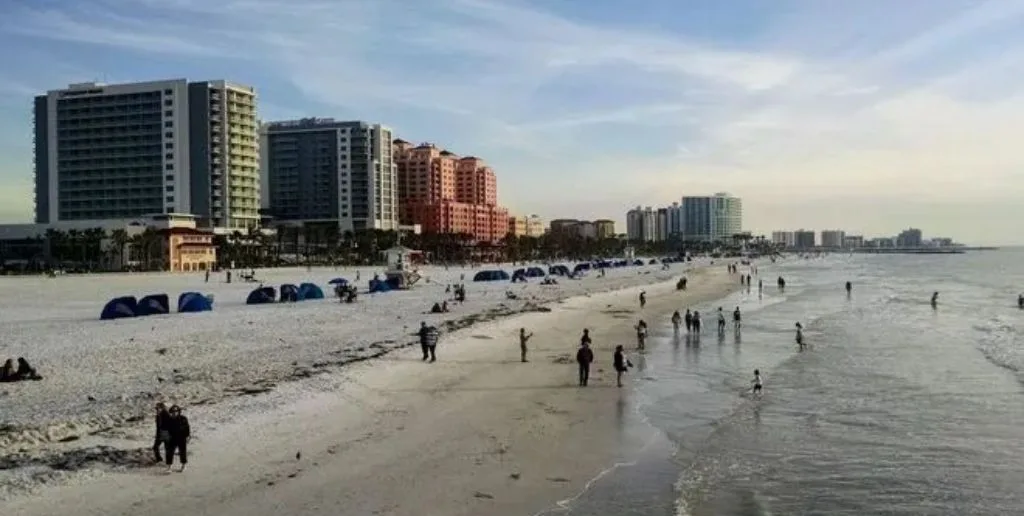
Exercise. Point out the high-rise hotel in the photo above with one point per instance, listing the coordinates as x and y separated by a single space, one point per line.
109 152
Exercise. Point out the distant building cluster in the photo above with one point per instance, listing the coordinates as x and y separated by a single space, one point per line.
586 229
694 218
839 239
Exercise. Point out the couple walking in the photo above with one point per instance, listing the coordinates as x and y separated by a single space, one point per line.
173 434
585 357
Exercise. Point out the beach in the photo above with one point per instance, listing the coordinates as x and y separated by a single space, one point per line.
477 432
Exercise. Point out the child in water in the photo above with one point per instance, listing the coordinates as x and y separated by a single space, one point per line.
758 382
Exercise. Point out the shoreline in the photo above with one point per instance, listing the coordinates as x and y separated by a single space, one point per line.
476 413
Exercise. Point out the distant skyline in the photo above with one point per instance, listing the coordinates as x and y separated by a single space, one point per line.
867 116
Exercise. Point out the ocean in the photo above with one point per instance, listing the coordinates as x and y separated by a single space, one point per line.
894 408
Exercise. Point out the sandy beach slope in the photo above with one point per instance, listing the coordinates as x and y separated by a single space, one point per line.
476 433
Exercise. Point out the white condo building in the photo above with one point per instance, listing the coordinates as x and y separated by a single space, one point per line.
112 152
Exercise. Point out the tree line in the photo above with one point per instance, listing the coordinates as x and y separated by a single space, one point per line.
97 249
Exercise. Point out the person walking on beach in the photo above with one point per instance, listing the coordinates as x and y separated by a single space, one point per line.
432 337
849 288
643 299
688 319
423 333
162 436
676 320
178 436
585 339
621 363
935 300
760 288
800 336
641 334
1020 301
758 383
696 322
736 318
721 321
584 357
523 339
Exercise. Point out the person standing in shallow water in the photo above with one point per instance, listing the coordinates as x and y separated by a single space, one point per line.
688 319
621 363
643 299
523 339
676 319
179 434
800 336
584 357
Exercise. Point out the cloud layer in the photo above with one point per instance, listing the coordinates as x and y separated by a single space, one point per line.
871 105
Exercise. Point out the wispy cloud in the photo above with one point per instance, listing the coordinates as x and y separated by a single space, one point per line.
871 99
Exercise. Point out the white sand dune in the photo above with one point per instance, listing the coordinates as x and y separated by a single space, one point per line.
101 377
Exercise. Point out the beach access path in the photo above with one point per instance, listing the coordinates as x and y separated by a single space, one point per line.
476 433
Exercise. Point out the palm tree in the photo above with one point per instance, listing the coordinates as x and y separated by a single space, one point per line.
119 241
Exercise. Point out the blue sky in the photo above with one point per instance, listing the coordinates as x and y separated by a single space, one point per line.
864 115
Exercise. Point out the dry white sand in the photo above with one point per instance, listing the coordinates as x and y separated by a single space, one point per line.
476 433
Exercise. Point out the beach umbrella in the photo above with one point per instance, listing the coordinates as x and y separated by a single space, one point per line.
338 281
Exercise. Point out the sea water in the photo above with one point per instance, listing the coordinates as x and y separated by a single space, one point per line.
895 407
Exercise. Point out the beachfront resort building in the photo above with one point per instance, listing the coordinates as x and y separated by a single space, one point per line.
803 239
642 224
111 152
786 239
697 218
532 226
326 172
446 193
832 238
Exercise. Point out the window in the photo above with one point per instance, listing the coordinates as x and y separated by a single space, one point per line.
168 92
169 166
168 113
170 188
169 155
168 124
168 145
170 198
169 177
168 103
168 135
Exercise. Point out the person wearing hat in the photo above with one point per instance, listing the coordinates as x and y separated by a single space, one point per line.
178 436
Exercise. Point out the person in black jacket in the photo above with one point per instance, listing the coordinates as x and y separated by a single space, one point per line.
584 357
161 436
424 330
621 363
178 436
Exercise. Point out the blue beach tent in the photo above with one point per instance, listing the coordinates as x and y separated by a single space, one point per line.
155 304
119 308
535 272
190 302
559 270
261 296
378 285
491 275
310 291
289 293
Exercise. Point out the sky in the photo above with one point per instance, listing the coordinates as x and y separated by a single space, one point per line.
868 116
